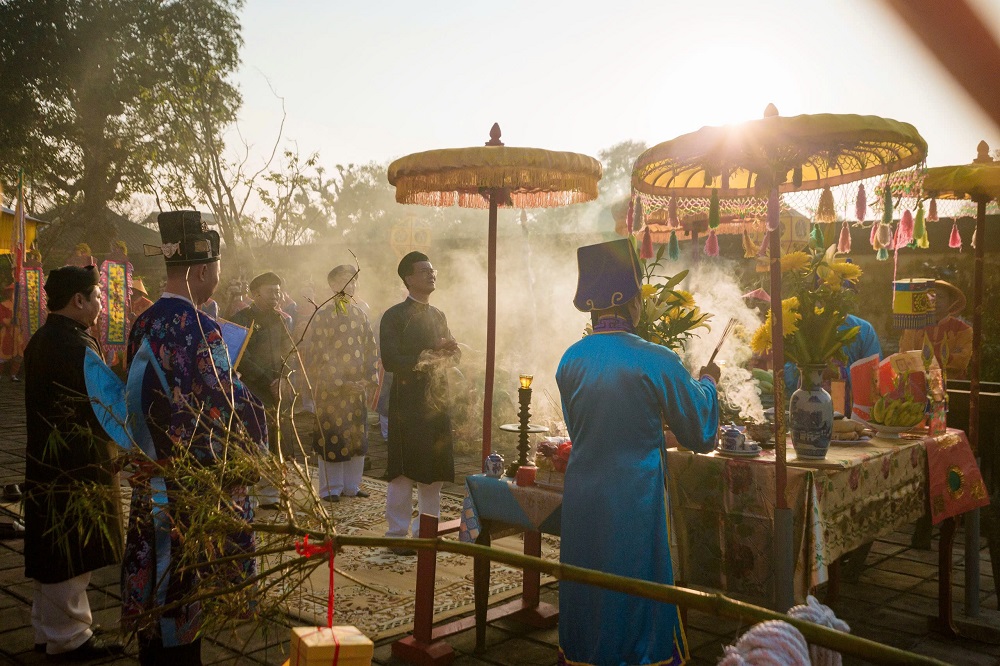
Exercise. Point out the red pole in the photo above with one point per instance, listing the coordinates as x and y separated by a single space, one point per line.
777 361
491 326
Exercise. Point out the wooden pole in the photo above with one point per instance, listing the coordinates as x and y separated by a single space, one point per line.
491 326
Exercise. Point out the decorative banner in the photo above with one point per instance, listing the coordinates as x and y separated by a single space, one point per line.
956 485
32 305
116 283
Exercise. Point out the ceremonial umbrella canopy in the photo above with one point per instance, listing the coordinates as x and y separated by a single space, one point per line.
494 176
768 157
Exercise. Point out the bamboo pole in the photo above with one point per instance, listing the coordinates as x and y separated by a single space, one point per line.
714 604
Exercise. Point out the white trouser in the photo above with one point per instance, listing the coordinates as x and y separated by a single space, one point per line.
399 505
341 478
60 614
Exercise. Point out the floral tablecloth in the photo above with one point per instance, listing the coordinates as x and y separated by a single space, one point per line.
502 500
723 510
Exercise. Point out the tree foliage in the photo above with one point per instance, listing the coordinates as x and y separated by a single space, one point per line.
95 91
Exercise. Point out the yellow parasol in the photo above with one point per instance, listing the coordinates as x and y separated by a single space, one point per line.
494 176
768 157
978 182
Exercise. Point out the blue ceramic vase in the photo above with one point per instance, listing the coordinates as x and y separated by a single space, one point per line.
810 414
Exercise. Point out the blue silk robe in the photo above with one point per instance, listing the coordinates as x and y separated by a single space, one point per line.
617 392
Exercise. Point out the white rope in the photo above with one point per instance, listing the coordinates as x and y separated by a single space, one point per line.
816 612
771 643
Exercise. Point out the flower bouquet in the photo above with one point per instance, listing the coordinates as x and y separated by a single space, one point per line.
551 457
669 316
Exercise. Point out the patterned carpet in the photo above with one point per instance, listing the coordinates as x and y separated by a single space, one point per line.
375 589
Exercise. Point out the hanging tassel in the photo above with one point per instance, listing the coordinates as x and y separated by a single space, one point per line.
883 239
630 216
883 254
923 242
674 248
904 234
861 205
647 245
816 238
672 213
797 177
712 244
749 248
825 212
873 238
955 242
765 244
638 218
713 210
773 209
919 229
887 205
844 244
932 215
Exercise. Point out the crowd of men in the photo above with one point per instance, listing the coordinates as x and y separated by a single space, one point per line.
189 402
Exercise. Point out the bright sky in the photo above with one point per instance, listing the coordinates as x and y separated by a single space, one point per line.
377 79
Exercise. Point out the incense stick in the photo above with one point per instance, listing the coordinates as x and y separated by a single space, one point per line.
725 333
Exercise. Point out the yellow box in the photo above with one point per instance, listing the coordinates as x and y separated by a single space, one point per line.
315 646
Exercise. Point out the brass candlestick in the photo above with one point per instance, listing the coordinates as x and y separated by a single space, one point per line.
524 428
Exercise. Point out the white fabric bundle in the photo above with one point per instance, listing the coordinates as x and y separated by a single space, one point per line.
816 612
771 643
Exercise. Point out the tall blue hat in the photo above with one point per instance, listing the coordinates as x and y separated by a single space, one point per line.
609 275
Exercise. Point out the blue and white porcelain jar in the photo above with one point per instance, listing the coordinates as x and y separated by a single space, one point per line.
810 414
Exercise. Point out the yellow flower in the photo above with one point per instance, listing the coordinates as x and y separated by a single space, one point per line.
648 290
790 316
795 261
686 298
760 343
846 271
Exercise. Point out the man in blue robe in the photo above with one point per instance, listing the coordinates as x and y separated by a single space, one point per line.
194 411
618 391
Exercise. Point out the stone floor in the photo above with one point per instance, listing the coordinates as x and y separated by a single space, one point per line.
890 603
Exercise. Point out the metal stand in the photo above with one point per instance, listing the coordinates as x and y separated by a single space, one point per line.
523 428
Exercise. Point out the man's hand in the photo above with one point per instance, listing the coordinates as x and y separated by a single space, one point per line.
711 370
448 345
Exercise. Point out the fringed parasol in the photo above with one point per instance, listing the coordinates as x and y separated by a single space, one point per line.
494 176
768 157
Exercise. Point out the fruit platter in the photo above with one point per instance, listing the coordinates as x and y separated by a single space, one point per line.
890 417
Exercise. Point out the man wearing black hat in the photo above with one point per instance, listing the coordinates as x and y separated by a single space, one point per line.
68 453
415 343
182 387
618 391
262 366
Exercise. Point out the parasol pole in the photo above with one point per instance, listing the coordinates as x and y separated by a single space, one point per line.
491 326
972 518
784 588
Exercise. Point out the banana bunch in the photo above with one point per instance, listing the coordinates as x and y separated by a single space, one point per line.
898 412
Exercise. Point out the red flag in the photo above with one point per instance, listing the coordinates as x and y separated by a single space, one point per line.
17 246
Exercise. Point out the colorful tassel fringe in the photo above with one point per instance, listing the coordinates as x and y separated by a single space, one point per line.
883 239
923 242
904 233
955 242
844 244
647 245
918 224
825 212
674 248
883 255
672 213
638 218
861 205
932 215
713 210
873 237
712 244
630 216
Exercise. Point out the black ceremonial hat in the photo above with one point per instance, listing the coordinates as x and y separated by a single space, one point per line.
609 275
187 240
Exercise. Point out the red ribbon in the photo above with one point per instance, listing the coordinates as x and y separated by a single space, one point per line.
306 549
